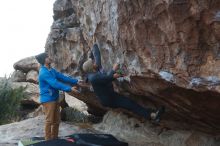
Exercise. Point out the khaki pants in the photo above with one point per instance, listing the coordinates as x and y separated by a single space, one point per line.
52 119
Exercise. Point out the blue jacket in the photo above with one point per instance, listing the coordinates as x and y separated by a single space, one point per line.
49 83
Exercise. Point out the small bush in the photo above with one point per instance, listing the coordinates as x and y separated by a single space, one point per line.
9 101
73 115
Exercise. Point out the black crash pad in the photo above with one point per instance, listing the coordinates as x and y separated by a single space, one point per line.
82 140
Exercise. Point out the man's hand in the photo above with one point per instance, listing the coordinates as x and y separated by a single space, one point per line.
116 75
82 83
74 89
115 66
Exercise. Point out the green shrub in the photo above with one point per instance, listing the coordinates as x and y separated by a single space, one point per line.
9 101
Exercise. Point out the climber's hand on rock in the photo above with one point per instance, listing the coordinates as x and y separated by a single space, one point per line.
115 66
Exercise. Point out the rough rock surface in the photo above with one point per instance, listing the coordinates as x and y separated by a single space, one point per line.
32 76
26 75
117 124
31 92
10 134
76 103
170 47
18 76
147 134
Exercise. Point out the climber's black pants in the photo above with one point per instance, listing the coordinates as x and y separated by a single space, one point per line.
119 101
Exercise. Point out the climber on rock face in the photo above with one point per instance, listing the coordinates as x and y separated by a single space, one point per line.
101 82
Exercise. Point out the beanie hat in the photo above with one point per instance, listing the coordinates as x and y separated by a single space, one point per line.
41 58
88 66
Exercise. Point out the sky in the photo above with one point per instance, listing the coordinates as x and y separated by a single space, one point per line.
24 27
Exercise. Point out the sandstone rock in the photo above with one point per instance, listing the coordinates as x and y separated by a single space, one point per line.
18 76
62 9
73 34
92 102
32 76
37 112
171 50
76 103
31 92
27 64
142 134
33 127
73 115
118 124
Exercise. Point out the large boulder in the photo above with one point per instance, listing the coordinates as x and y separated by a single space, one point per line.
27 64
146 134
170 48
